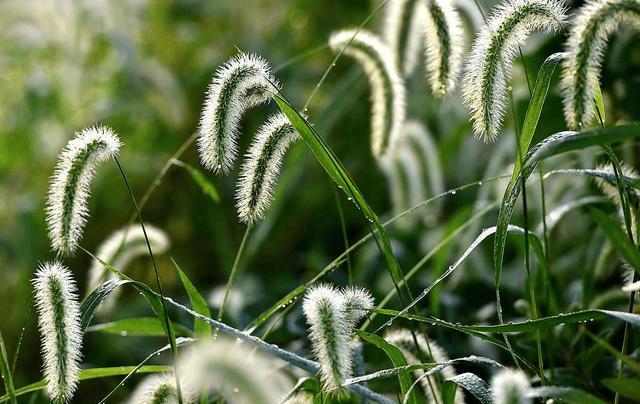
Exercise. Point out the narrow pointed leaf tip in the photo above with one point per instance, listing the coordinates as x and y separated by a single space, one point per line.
332 316
243 82
261 167
69 189
586 45
59 323
484 85
388 93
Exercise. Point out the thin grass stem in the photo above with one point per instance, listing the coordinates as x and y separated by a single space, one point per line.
6 372
344 236
234 272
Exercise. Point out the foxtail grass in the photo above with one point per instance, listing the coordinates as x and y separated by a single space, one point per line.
243 82
259 173
59 323
487 72
403 31
67 209
388 93
444 46
586 46
510 386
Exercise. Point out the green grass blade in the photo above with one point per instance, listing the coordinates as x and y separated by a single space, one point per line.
205 185
529 325
553 145
91 303
198 304
396 357
338 173
95 373
569 395
141 326
618 238
629 388
537 101
5 372
474 385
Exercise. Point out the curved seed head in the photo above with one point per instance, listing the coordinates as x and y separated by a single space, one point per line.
487 72
118 250
444 45
403 31
59 323
510 386
259 173
243 82
388 94
70 185
586 45
160 388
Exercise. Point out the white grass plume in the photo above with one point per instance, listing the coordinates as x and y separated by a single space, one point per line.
487 72
591 27
388 94
510 386
160 388
70 185
59 322
259 173
236 372
243 82
332 315
430 353
403 31
118 250
444 46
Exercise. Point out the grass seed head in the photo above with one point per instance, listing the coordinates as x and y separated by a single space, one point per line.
510 386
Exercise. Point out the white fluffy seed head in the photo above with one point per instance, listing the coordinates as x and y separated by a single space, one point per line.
70 185
357 304
259 173
586 46
237 372
403 31
59 322
487 72
160 388
118 250
444 45
388 94
430 352
243 82
510 386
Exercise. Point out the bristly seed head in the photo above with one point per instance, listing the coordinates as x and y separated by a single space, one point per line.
586 45
243 82
510 386
484 85
70 185
59 323
388 94
403 31
260 170
332 316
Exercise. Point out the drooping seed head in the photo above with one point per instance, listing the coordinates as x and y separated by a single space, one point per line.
487 72
586 45
70 185
59 323
357 304
234 371
118 250
510 386
429 352
403 31
160 388
388 94
323 307
259 173
444 45
243 82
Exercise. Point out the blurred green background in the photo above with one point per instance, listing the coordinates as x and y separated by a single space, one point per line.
142 67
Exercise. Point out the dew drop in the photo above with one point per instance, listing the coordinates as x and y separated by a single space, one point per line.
454 192
123 333
479 183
